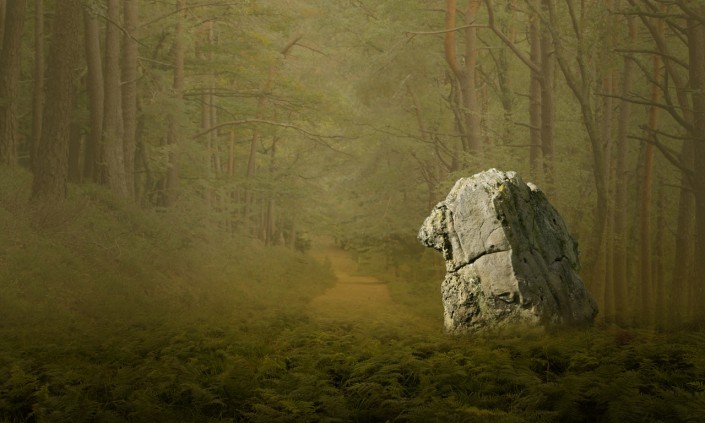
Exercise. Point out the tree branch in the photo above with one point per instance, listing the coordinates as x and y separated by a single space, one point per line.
443 31
308 134
668 108
520 54
449 40
191 6
667 153
690 12
653 52
662 45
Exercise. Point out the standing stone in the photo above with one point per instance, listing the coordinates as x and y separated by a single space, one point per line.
509 257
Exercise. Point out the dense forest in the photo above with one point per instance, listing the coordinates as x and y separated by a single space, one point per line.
177 178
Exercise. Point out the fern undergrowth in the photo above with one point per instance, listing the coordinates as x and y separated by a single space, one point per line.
110 313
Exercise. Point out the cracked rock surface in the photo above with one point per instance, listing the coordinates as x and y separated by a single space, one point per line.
509 257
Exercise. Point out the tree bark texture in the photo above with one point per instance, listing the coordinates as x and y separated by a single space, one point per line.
129 89
696 48
535 161
465 76
548 65
112 153
3 14
647 285
171 181
620 230
261 102
579 84
96 95
681 284
49 183
10 68
38 98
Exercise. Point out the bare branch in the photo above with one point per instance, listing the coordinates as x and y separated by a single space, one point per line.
690 12
290 45
192 6
442 31
662 45
308 134
312 49
520 54
667 153
653 52
118 26
667 107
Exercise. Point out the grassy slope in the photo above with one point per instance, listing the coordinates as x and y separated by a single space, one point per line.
110 314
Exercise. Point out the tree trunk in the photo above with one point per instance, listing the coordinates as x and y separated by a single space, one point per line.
10 69
95 88
548 65
681 285
3 20
535 161
696 48
606 128
504 79
620 233
49 183
230 171
472 107
647 288
261 101
171 181
470 125
208 114
270 221
38 99
129 89
658 281
112 154
75 134
582 90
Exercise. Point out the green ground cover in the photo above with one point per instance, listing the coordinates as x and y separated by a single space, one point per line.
110 313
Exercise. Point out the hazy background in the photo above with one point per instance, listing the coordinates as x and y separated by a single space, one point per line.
208 209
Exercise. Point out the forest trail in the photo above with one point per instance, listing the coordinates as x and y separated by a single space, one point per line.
357 298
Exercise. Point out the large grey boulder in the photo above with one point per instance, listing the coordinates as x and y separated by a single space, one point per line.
509 257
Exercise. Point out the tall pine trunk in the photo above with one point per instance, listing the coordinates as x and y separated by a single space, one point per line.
96 95
696 48
472 106
580 86
38 98
171 182
647 285
112 153
129 90
49 183
10 68
535 161
620 232
3 15
548 64
682 283
469 125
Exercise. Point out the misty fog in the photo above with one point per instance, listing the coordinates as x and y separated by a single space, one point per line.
209 209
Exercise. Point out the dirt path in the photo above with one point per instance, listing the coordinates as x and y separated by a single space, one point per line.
356 298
